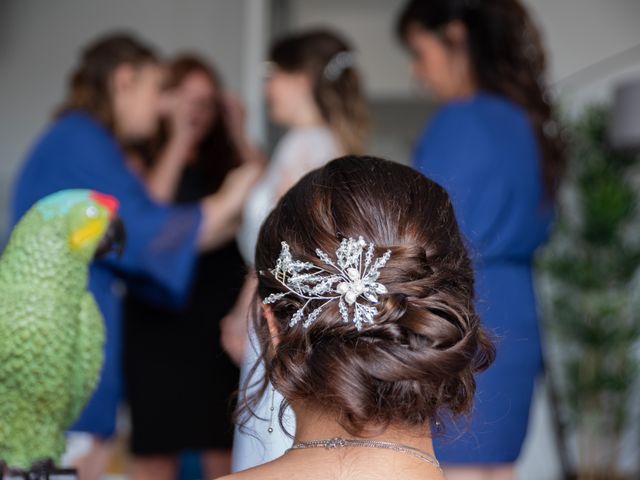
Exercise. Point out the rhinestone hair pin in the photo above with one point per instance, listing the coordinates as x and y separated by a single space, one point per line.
351 280
338 64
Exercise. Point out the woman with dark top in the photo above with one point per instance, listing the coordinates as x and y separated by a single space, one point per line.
112 100
493 145
174 366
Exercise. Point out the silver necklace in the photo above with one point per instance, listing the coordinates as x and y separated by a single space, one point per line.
339 442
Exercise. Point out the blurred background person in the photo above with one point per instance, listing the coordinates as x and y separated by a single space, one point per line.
175 367
494 146
112 99
314 91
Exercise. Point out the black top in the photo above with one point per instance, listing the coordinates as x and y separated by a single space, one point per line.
180 382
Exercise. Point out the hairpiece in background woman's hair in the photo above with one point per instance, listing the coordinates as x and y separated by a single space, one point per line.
338 64
354 279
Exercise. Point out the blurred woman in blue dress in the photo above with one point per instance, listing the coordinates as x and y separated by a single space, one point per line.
494 146
112 99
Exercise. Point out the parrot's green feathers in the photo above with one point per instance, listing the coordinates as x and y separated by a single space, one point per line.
51 331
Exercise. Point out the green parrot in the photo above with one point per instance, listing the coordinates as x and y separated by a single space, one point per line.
51 330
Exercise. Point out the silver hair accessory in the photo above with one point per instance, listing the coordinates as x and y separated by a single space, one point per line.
338 64
353 283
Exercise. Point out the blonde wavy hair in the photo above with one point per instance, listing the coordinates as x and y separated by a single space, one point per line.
337 86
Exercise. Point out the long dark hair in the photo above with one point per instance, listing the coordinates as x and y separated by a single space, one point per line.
419 356
507 57
216 154
339 96
88 87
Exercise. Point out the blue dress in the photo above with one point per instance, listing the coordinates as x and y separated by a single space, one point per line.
484 152
78 152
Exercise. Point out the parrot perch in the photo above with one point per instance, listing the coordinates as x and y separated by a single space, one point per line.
51 330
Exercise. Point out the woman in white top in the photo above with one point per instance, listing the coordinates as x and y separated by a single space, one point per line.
314 90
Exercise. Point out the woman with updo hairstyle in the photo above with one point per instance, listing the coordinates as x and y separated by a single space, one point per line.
496 148
313 90
367 391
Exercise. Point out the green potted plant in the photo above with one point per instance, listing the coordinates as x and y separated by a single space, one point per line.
590 290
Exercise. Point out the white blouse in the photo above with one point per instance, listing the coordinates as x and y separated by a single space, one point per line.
300 151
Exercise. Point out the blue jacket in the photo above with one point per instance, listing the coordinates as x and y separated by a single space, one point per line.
484 152
78 152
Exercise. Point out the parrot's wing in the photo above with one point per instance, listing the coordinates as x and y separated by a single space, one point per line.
35 361
89 355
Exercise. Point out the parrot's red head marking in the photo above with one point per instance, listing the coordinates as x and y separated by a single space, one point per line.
107 201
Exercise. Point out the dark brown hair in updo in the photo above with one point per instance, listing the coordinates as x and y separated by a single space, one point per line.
419 357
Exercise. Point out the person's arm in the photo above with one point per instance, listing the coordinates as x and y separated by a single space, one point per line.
163 178
221 212
234 117
234 326
161 243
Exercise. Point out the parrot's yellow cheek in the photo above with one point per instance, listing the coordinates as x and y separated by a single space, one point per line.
89 234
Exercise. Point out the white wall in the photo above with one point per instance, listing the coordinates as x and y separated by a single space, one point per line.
581 32
40 40
369 25
586 40
578 33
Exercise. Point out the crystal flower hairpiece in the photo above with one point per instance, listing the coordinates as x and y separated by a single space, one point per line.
338 64
351 280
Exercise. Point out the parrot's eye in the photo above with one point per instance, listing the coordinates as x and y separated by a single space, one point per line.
91 212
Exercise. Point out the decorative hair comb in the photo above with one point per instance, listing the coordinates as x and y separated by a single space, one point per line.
353 283
338 64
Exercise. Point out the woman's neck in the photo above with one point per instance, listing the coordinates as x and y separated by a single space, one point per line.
313 426
307 116
462 84
359 462
462 92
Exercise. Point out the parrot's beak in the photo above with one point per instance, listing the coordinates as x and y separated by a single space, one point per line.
114 239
